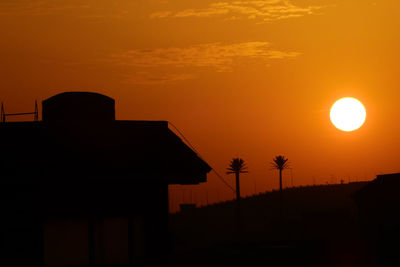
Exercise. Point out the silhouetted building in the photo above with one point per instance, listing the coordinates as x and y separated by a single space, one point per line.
80 187
379 214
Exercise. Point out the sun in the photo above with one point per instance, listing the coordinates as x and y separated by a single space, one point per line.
348 114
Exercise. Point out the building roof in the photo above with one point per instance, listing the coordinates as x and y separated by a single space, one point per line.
385 187
95 149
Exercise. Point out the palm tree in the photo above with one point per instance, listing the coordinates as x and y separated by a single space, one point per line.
280 163
237 166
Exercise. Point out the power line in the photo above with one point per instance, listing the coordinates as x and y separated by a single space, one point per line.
223 180
198 154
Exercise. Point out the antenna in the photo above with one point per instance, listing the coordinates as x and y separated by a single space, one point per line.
36 115
5 115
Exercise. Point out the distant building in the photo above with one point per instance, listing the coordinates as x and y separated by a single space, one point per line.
379 214
80 187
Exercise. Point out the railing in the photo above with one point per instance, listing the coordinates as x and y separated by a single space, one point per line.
4 115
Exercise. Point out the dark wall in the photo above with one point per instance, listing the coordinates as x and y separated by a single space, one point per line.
50 223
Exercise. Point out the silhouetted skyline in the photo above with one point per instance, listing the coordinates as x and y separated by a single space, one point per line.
220 80
248 78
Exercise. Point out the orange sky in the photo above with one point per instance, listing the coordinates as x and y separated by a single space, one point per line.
250 79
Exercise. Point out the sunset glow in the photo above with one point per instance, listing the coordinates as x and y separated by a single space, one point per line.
245 79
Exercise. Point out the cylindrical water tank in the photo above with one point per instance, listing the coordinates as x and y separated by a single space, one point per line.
78 106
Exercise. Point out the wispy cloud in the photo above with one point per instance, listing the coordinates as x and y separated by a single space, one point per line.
261 10
264 10
173 64
161 14
152 78
218 56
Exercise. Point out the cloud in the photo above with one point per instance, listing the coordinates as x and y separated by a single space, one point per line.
174 64
151 78
160 14
264 10
218 56
261 10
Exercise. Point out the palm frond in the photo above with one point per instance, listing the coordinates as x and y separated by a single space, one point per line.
237 165
280 163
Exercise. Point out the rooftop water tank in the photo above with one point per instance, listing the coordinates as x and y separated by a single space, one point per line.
78 106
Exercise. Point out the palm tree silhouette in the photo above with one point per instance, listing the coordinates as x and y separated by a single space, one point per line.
237 166
280 163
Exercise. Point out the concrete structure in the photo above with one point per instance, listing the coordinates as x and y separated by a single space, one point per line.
81 188
379 216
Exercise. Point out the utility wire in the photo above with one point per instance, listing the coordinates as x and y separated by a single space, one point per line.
223 180
198 154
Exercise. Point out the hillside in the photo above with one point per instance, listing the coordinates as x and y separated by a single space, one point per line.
311 212
319 228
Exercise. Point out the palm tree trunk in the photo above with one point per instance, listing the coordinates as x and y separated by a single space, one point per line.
280 195
238 215
237 187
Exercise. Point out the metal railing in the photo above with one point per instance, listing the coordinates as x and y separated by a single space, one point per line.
4 115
